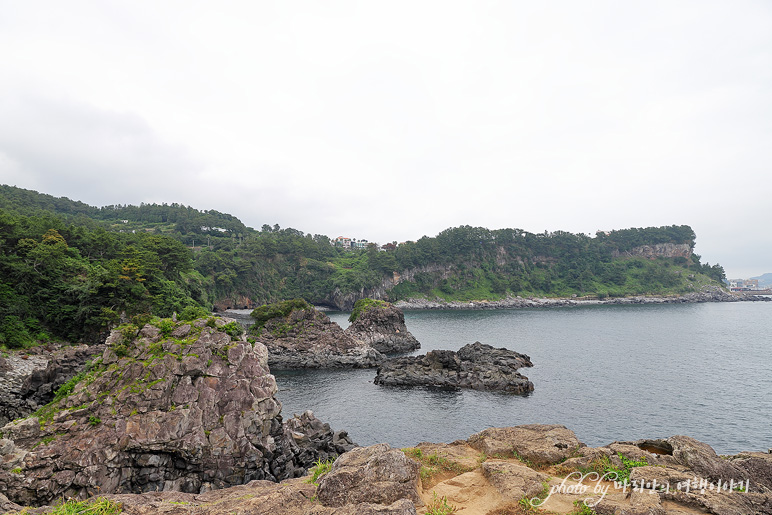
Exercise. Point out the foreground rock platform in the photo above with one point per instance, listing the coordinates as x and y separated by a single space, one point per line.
476 366
528 469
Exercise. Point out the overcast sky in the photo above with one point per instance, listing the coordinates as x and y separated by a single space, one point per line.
393 120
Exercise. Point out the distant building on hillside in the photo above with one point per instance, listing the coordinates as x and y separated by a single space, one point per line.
342 241
743 284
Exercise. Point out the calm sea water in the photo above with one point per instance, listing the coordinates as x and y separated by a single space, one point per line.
606 372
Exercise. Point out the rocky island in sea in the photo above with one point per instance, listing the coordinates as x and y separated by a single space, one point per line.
299 336
476 366
382 326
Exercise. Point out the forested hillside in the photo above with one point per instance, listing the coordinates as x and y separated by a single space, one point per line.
70 270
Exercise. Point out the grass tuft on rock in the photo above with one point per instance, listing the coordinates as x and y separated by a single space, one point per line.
96 506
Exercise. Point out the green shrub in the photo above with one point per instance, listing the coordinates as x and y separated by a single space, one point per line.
233 329
141 319
13 333
192 313
166 325
622 475
128 333
67 388
439 506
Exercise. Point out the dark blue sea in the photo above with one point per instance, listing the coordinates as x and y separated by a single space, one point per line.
606 372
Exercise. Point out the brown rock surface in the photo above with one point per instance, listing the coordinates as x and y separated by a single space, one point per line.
375 474
539 444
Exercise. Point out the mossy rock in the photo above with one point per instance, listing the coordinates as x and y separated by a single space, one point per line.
363 305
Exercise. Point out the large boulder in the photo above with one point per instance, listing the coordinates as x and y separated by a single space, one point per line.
375 474
382 326
308 439
702 459
533 443
175 407
513 480
679 475
299 336
476 366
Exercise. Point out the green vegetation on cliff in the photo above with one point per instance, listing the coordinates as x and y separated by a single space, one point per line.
69 270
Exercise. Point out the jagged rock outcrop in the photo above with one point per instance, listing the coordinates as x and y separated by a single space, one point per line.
476 366
382 326
308 439
234 302
299 336
346 301
184 407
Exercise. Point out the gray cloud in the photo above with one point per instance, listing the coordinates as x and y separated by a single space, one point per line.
394 121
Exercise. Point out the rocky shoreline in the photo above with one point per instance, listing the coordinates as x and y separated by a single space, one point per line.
527 469
710 294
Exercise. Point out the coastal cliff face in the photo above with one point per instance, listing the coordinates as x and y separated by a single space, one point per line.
382 326
668 250
500 471
234 302
184 408
346 301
